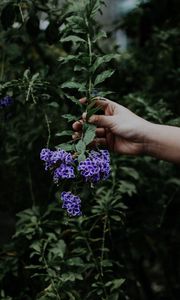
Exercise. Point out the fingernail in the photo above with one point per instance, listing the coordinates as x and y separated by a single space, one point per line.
84 115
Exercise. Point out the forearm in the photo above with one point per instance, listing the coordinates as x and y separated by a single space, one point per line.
163 142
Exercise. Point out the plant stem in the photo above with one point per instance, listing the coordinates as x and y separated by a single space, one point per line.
90 64
49 130
103 243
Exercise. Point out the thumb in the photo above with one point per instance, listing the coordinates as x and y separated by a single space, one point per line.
101 121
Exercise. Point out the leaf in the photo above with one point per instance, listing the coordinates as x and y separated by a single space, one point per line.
73 38
36 246
73 85
103 76
103 59
90 134
81 157
53 104
75 261
66 147
68 58
70 117
59 249
101 34
80 147
126 187
73 99
64 133
115 284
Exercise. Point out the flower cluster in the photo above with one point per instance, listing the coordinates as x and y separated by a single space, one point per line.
71 203
60 161
6 101
96 167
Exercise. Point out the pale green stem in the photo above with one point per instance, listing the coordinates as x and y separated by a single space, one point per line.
103 243
49 130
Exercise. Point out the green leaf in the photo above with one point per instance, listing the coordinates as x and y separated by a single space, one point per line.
64 133
73 99
89 134
115 284
73 38
73 85
66 147
103 76
70 117
81 157
104 59
53 104
36 246
100 35
126 187
68 58
80 147
59 249
92 112
130 172
75 261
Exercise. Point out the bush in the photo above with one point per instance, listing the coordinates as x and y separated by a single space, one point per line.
125 245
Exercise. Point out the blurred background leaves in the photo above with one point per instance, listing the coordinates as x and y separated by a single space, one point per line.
131 225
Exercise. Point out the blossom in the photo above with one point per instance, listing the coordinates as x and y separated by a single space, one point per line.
96 167
63 172
71 203
54 158
6 101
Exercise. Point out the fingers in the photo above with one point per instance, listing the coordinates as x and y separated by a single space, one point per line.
100 102
100 133
101 121
77 126
99 142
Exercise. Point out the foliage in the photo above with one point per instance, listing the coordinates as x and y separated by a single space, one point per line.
126 246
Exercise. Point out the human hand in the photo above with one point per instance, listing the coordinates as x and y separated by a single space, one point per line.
119 129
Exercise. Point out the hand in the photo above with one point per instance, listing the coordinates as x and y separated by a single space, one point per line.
119 129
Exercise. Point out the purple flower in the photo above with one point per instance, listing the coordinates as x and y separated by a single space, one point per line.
6 101
52 158
46 155
71 203
63 172
96 167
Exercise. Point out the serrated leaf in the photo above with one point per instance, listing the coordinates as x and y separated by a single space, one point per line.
64 133
90 134
73 38
103 76
80 147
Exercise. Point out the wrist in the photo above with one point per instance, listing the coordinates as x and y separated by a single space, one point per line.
150 145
